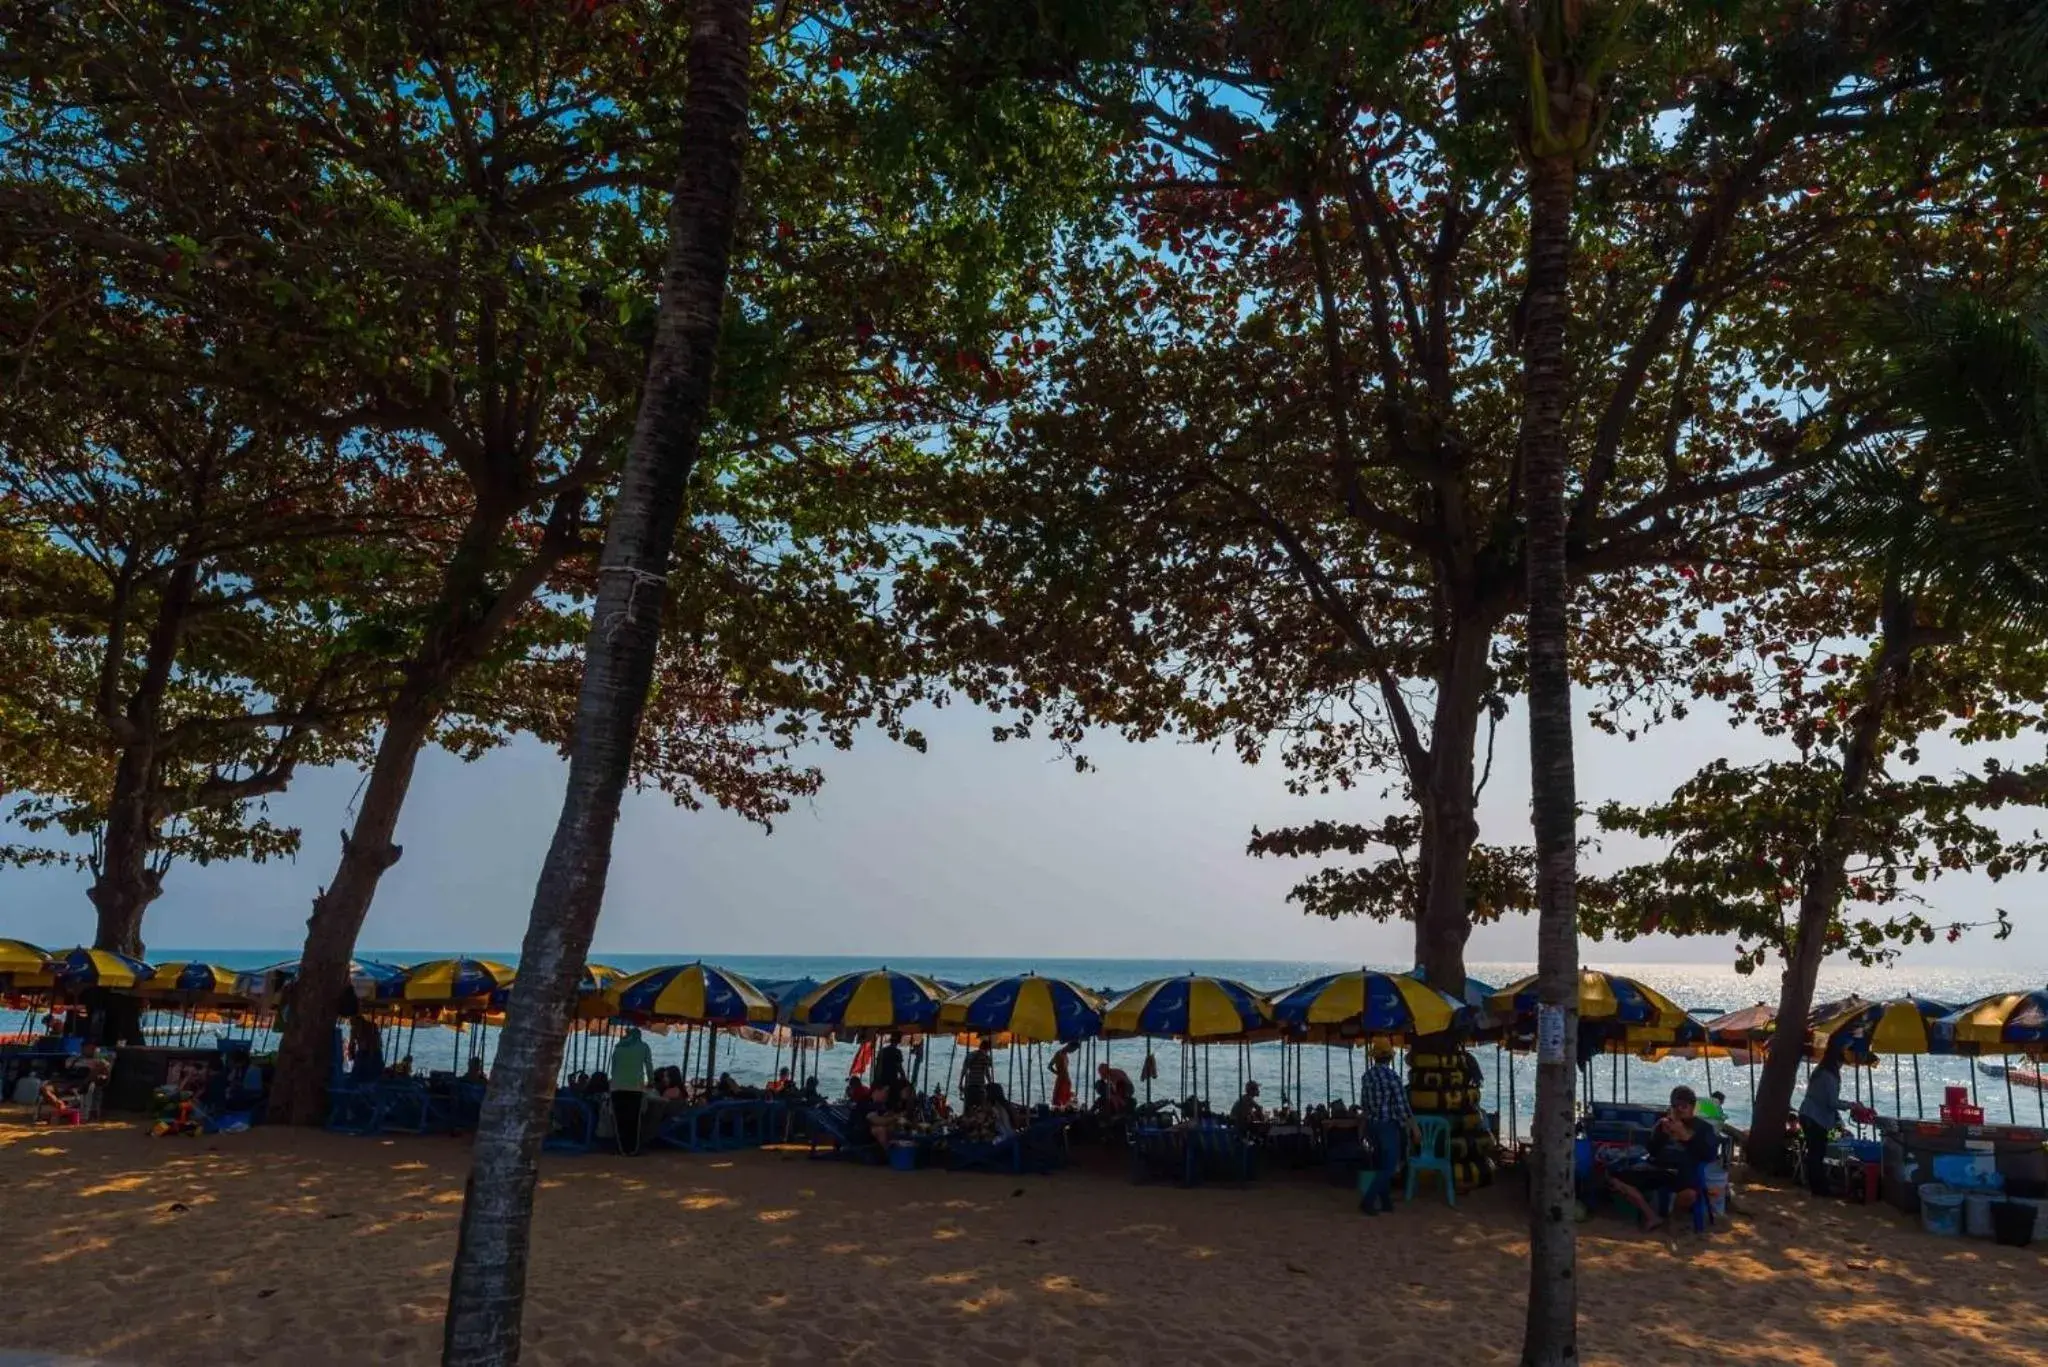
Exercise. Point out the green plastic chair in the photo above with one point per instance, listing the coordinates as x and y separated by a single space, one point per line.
1433 1154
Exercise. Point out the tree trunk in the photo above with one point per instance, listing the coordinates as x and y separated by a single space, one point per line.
1821 887
1551 1333
124 880
488 1286
1450 821
305 1053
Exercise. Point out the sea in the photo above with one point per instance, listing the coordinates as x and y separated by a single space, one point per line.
1294 1075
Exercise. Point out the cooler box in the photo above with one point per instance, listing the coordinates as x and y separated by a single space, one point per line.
1941 1210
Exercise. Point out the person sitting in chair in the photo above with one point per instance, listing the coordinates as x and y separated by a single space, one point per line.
1681 1142
1247 1113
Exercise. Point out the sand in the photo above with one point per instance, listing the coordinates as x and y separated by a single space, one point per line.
310 1248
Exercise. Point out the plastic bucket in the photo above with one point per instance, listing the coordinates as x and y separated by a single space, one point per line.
1717 1190
903 1157
1977 1214
2012 1223
1941 1210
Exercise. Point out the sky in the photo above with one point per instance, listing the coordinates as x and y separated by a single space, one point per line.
973 849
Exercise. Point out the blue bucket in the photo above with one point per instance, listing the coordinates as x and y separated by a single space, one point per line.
903 1157
1941 1209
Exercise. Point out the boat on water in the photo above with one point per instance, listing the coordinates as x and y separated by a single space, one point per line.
2021 1077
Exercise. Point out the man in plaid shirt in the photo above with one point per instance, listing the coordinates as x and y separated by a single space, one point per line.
1388 1121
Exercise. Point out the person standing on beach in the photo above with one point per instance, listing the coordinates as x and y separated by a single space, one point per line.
975 1077
632 1064
1390 1122
1062 1077
888 1064
1819 1112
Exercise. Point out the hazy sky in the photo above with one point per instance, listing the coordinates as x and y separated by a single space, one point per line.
976 848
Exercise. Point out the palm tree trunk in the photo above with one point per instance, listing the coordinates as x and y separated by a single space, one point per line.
1821 888
487 1290
1551 1333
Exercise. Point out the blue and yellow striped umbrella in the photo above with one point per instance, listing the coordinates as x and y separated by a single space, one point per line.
1604 997
1366 1003
84 967
448 981
370 980
1903 1026
2003 1023
877 999
1026 1007
1190 1007
697 994
25 965
194 980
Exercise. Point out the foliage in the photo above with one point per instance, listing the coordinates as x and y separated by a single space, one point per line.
1260 485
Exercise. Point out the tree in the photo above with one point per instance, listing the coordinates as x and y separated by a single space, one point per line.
1569 55
488 1284
177 567
442 230
1942 528
1262 486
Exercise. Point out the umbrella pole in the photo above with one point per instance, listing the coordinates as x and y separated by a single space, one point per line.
1898 1089
2011 1108
1626 1072
1919 1106
1973 1084
1326 1073
710 1055
1708 1059
2040 1093
1514 1127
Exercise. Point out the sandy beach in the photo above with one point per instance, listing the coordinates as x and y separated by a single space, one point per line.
311 1248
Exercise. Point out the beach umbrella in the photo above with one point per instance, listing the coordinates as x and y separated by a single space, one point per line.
367 978
25 965
194 981
1475 994
875 999
1607 998
1901 1026
694 993
1743 1028
1192 1006
1028 1008
458 981
82 967
2003 1023
1362 1002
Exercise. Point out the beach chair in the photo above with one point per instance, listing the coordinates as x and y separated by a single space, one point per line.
1702 1207
402 1107
1433 1154
850 1136
1041 1146
572 1125
352 1109
1218 1153
1158 1153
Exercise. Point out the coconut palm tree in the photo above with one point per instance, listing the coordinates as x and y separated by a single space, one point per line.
1955 519
488 1287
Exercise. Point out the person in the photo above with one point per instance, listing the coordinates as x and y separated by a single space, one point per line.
781 1084
1820 1110
888 1063
728 1088
975 1075
1247 1112
809 1093
1062 1079
475 1071
632 1066
896 1105
402 1068
1115 1090
1682 1141
365 1050
1713 1109
1389 1122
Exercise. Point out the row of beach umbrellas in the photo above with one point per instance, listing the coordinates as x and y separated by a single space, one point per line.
1628 1015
